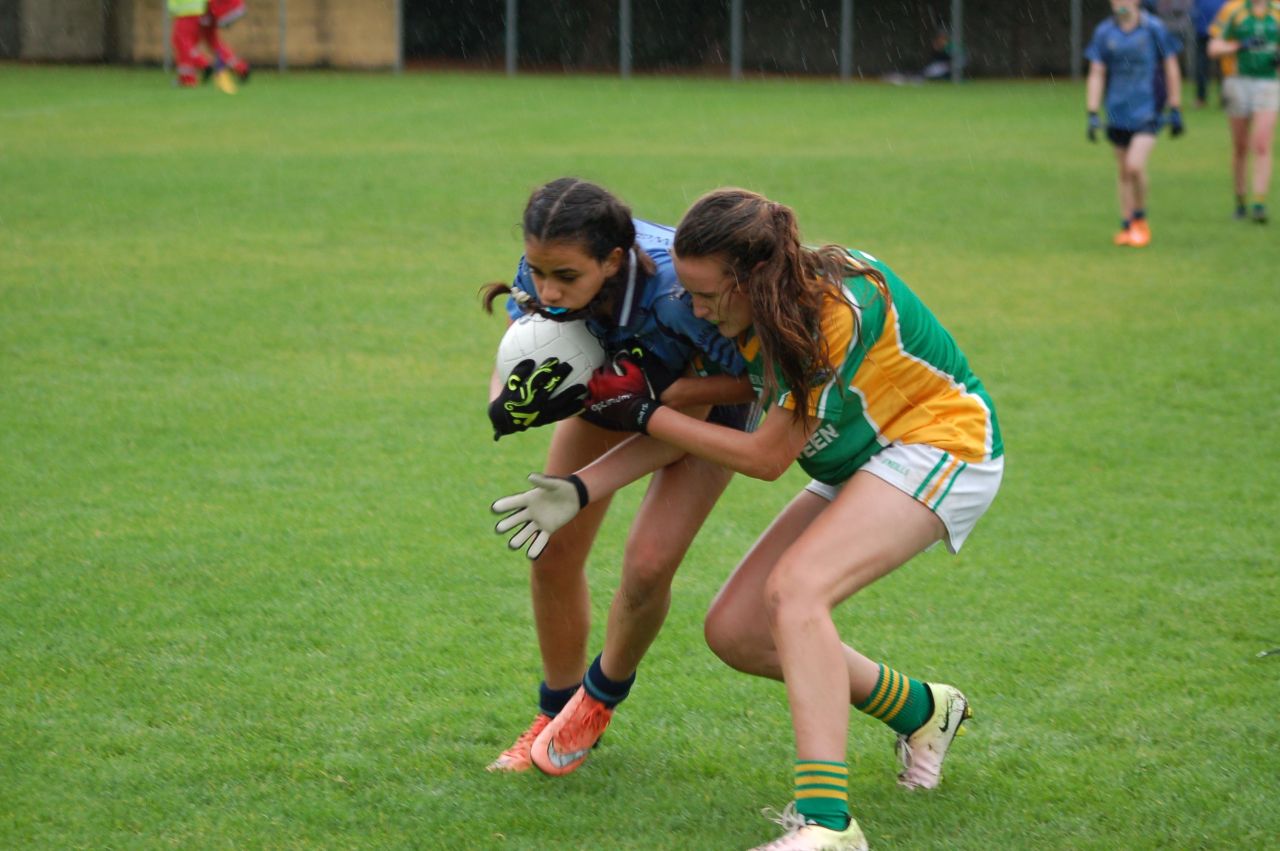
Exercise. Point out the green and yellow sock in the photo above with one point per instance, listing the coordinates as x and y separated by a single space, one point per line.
822 792
899 701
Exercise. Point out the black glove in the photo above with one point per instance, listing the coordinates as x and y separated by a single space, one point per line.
1095 124
1175 122
526 400
626 411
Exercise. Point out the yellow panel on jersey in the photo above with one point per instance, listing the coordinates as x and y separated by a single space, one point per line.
897 375
908 400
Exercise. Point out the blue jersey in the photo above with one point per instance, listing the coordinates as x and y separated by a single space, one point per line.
654 312
1135 75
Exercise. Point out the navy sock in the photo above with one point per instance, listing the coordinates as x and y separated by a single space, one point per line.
607 691
552 700
1139 214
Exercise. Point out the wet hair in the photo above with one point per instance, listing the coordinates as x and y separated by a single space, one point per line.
581 213
785 281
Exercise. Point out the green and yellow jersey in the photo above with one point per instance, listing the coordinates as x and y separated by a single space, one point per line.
897 375
1237 22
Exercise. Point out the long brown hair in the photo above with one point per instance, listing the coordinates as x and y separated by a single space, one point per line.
580 213
785 281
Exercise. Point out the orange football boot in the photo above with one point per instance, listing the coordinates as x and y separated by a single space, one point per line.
1139 233
566 742
516 757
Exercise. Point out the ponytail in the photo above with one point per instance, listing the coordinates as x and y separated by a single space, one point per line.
785 282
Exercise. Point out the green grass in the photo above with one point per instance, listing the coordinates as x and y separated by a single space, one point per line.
249 596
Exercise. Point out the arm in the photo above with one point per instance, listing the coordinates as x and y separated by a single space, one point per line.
765 453
625 463
496 380
1173 78
1220 47
1094 86
712 390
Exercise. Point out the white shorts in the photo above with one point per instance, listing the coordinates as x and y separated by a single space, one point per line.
1247 95
957 492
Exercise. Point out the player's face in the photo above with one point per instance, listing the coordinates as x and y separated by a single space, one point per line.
565 275
717 297
1123 8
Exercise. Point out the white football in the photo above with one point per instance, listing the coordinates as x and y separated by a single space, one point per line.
536 338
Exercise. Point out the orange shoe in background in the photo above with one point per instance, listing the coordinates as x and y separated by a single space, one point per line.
1139 233
1121 238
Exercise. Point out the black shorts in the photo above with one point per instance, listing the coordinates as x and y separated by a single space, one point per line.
733 416
1121 137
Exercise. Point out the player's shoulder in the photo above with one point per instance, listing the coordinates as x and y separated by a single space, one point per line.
1154 23
652 236
1105 27
1234 12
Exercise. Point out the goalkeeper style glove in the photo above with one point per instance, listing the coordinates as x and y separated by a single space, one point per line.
536 514
1176 127
1095 124
526 400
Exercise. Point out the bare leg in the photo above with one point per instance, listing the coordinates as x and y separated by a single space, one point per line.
1239 153
1261 135
677 503
1135 165
737 625
557 580
843 550
1124 189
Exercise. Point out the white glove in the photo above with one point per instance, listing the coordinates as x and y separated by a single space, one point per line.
537 513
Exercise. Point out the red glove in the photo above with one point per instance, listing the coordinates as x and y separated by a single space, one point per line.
622 376
619 397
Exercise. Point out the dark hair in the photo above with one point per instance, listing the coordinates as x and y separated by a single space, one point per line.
585 214
785 281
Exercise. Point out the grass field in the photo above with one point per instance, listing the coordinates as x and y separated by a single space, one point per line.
249 595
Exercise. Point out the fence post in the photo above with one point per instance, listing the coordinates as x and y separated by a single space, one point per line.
1077 30
957 41
512 12
735 39
846 39
283 59
624 38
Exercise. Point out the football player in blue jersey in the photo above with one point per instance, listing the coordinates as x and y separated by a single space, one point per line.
587 258
1133 61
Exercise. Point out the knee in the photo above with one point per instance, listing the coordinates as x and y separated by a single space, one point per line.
647 571
789 602
732 638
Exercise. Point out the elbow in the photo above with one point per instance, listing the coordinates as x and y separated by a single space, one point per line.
765 468
770 474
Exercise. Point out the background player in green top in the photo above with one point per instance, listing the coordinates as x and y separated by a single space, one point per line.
871 394
1250 32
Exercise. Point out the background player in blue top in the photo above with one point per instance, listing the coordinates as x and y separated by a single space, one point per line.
586 258
1133 60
